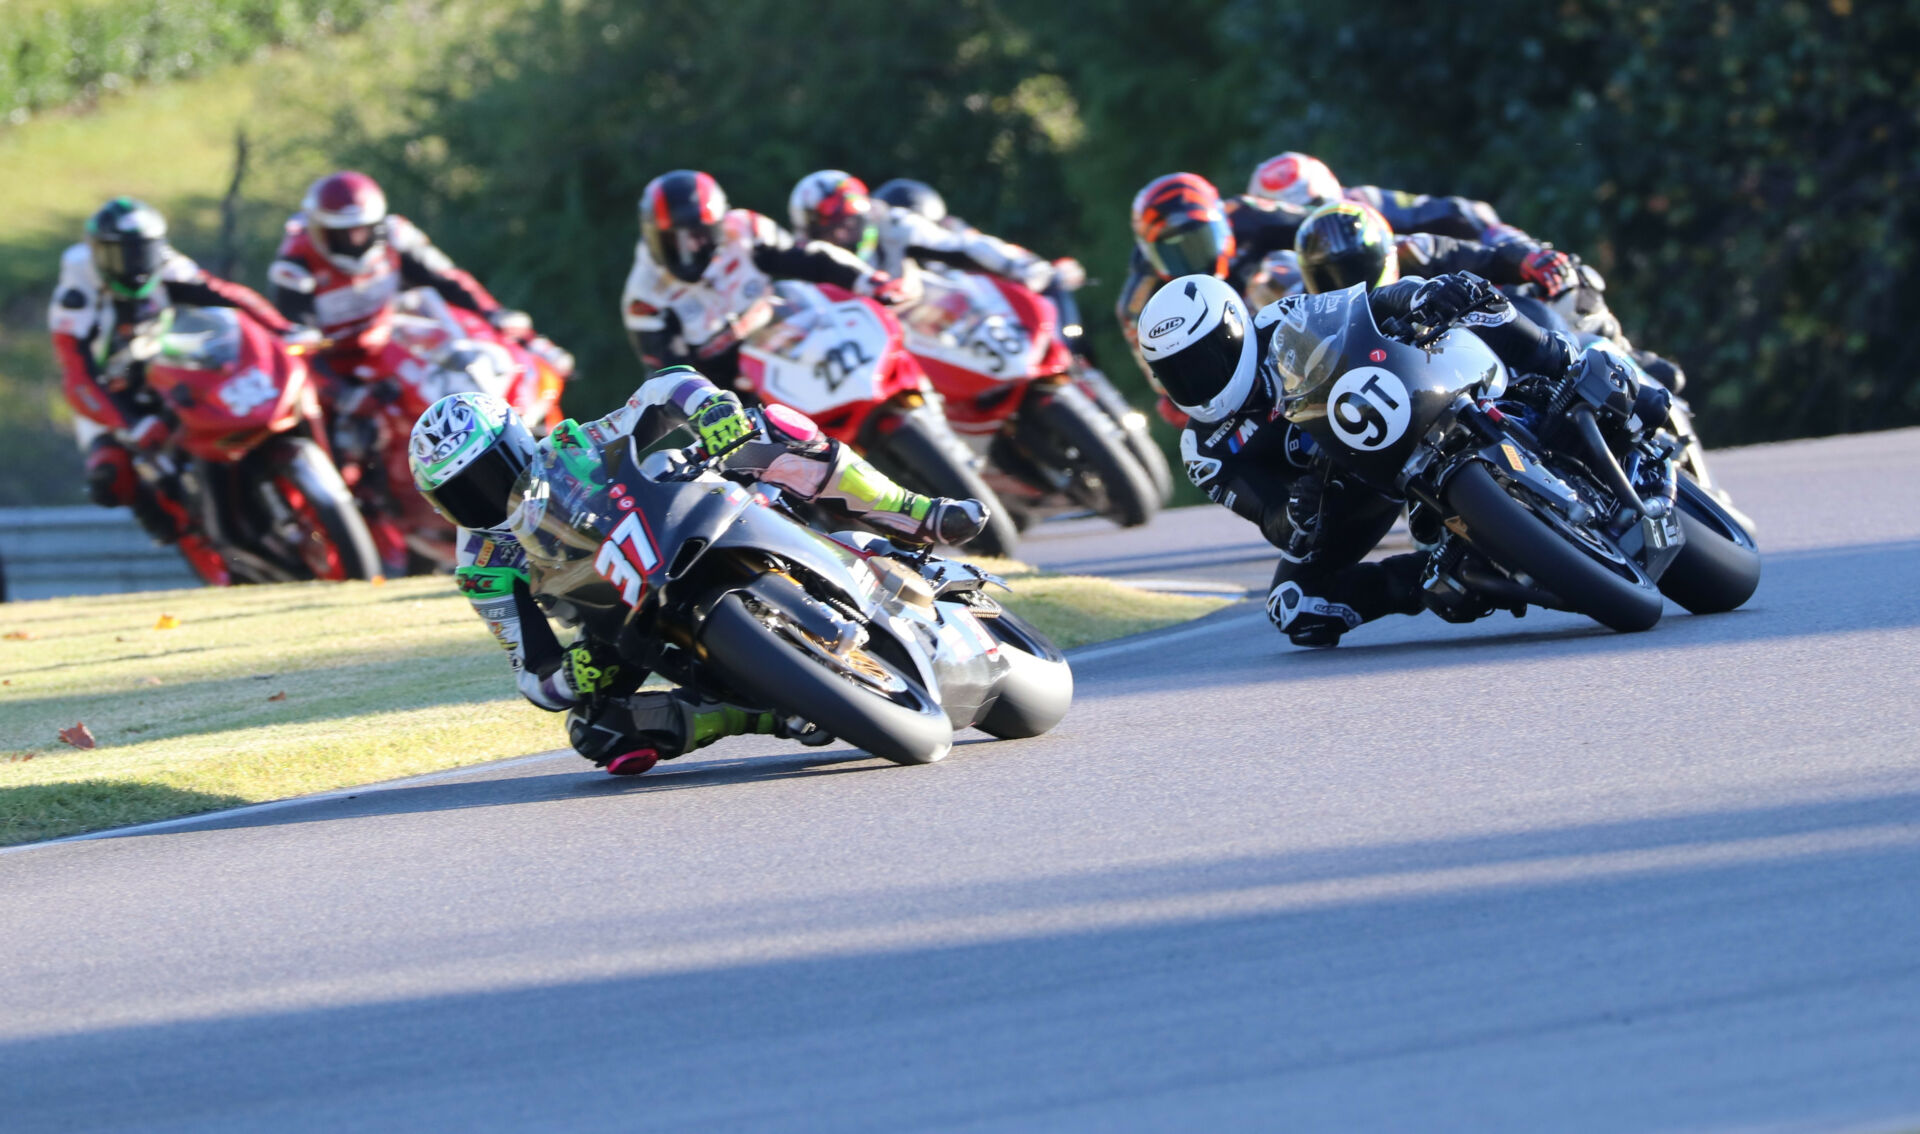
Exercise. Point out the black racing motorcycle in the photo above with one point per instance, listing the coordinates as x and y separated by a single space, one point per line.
1553 491
712 585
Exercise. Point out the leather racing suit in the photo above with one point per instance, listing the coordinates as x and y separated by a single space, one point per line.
673 322
1267 471
90 325
606 722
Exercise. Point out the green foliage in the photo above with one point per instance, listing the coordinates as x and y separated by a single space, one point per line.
55 51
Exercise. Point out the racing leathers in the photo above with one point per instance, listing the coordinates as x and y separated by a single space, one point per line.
673 322
905 235
609 720
309 286
91 327
1458 217
1267 471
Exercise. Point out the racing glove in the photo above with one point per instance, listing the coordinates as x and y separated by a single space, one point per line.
722 425
1552 271
1444 299
1296 529
589 674
889 290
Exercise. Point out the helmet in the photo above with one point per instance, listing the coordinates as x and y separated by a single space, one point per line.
833 206
1181 226
1197 338
1296 179
680 217
915 197
129 243
1343 244
344 211
466 452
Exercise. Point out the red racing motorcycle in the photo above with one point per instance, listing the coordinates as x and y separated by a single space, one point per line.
248 465
1056 429
840 359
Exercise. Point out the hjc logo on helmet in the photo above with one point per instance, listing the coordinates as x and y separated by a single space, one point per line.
1166 326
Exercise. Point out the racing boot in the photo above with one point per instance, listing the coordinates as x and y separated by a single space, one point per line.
1351 597
869 495
629 735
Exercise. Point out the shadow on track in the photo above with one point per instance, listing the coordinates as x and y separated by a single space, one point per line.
1771 987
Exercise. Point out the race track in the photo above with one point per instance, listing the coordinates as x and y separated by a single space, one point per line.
1520 875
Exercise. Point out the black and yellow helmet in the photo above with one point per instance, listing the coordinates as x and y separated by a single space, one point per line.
1344 243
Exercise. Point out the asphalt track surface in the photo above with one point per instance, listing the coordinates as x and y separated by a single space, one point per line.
1520 875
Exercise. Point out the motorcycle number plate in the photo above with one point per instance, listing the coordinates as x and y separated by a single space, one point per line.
247 391
836 363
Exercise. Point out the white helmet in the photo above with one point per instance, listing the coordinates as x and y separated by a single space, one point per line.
1197 337
1296 179
466 452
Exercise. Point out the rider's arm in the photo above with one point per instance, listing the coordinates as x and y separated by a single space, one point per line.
1260 227
968 248
73 319
423 265
1247 466
1428 255
491 570
211 291
1521 343
1459 217
663 401
776 253
653 329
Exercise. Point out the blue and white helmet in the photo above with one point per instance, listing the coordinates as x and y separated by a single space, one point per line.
466 452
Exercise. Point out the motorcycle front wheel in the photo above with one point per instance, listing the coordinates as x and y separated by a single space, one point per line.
860 696
1588 575
332 541
1718 568
1104 474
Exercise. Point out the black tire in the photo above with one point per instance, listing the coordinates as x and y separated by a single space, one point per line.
1618 596
1037 689
1719 567
769 669
1106 475
333 510
923 453
1134 427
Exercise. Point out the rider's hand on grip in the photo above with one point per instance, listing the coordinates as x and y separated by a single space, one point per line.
887 289
722 425
1443 299
1551 270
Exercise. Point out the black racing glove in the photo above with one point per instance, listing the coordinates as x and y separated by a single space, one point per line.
1444 299
1299 531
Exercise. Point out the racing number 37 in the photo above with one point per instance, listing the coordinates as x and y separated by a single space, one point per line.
627 557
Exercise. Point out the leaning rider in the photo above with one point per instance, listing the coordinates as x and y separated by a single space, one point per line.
113 285
469 450
1218 363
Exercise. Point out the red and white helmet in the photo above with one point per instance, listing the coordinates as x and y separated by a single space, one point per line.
344 213
1295 178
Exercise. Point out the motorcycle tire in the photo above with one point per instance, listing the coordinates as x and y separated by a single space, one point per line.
1037 688
1134 427
906 726
915 454
1718 568
1106 475
1510 532
337 545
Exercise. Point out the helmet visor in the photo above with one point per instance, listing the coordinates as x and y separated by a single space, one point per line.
1196 375
1196 250
476 496
352 241
131 262
1367 264
686 250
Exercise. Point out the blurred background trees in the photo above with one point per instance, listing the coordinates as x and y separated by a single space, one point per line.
1745 175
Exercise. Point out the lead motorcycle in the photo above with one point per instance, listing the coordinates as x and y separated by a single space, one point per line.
1557 492
712 585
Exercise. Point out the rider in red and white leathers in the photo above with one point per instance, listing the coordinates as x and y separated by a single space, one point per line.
344 261
119 280
703 273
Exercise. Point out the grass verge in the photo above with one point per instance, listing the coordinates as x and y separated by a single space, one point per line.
263 693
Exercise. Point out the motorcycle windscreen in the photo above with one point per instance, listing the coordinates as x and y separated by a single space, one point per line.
561 514
1309 347
201 338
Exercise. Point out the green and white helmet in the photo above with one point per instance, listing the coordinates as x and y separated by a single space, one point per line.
466 452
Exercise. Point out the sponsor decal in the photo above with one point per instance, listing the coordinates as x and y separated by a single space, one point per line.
486 554
1369 408
247 391
624 503
1166 326
1377 355
627 557
1220 434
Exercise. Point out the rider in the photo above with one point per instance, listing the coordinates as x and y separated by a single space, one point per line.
703 274
1181 226
114 283
1217 362
344 261
467 452
833 206
1301 179
1343 243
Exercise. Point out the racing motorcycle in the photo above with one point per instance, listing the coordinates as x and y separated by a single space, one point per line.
999 354
839 359
426 350
1550 491
688 574
249 463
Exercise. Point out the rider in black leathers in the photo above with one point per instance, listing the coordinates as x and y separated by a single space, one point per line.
1239 450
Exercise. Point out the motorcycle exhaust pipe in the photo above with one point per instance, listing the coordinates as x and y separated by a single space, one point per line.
1602 461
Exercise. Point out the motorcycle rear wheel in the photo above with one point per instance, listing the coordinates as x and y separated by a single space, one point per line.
869 702
1036 690
1618 595
1719 567
915 455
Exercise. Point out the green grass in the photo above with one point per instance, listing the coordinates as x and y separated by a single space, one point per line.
268 692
